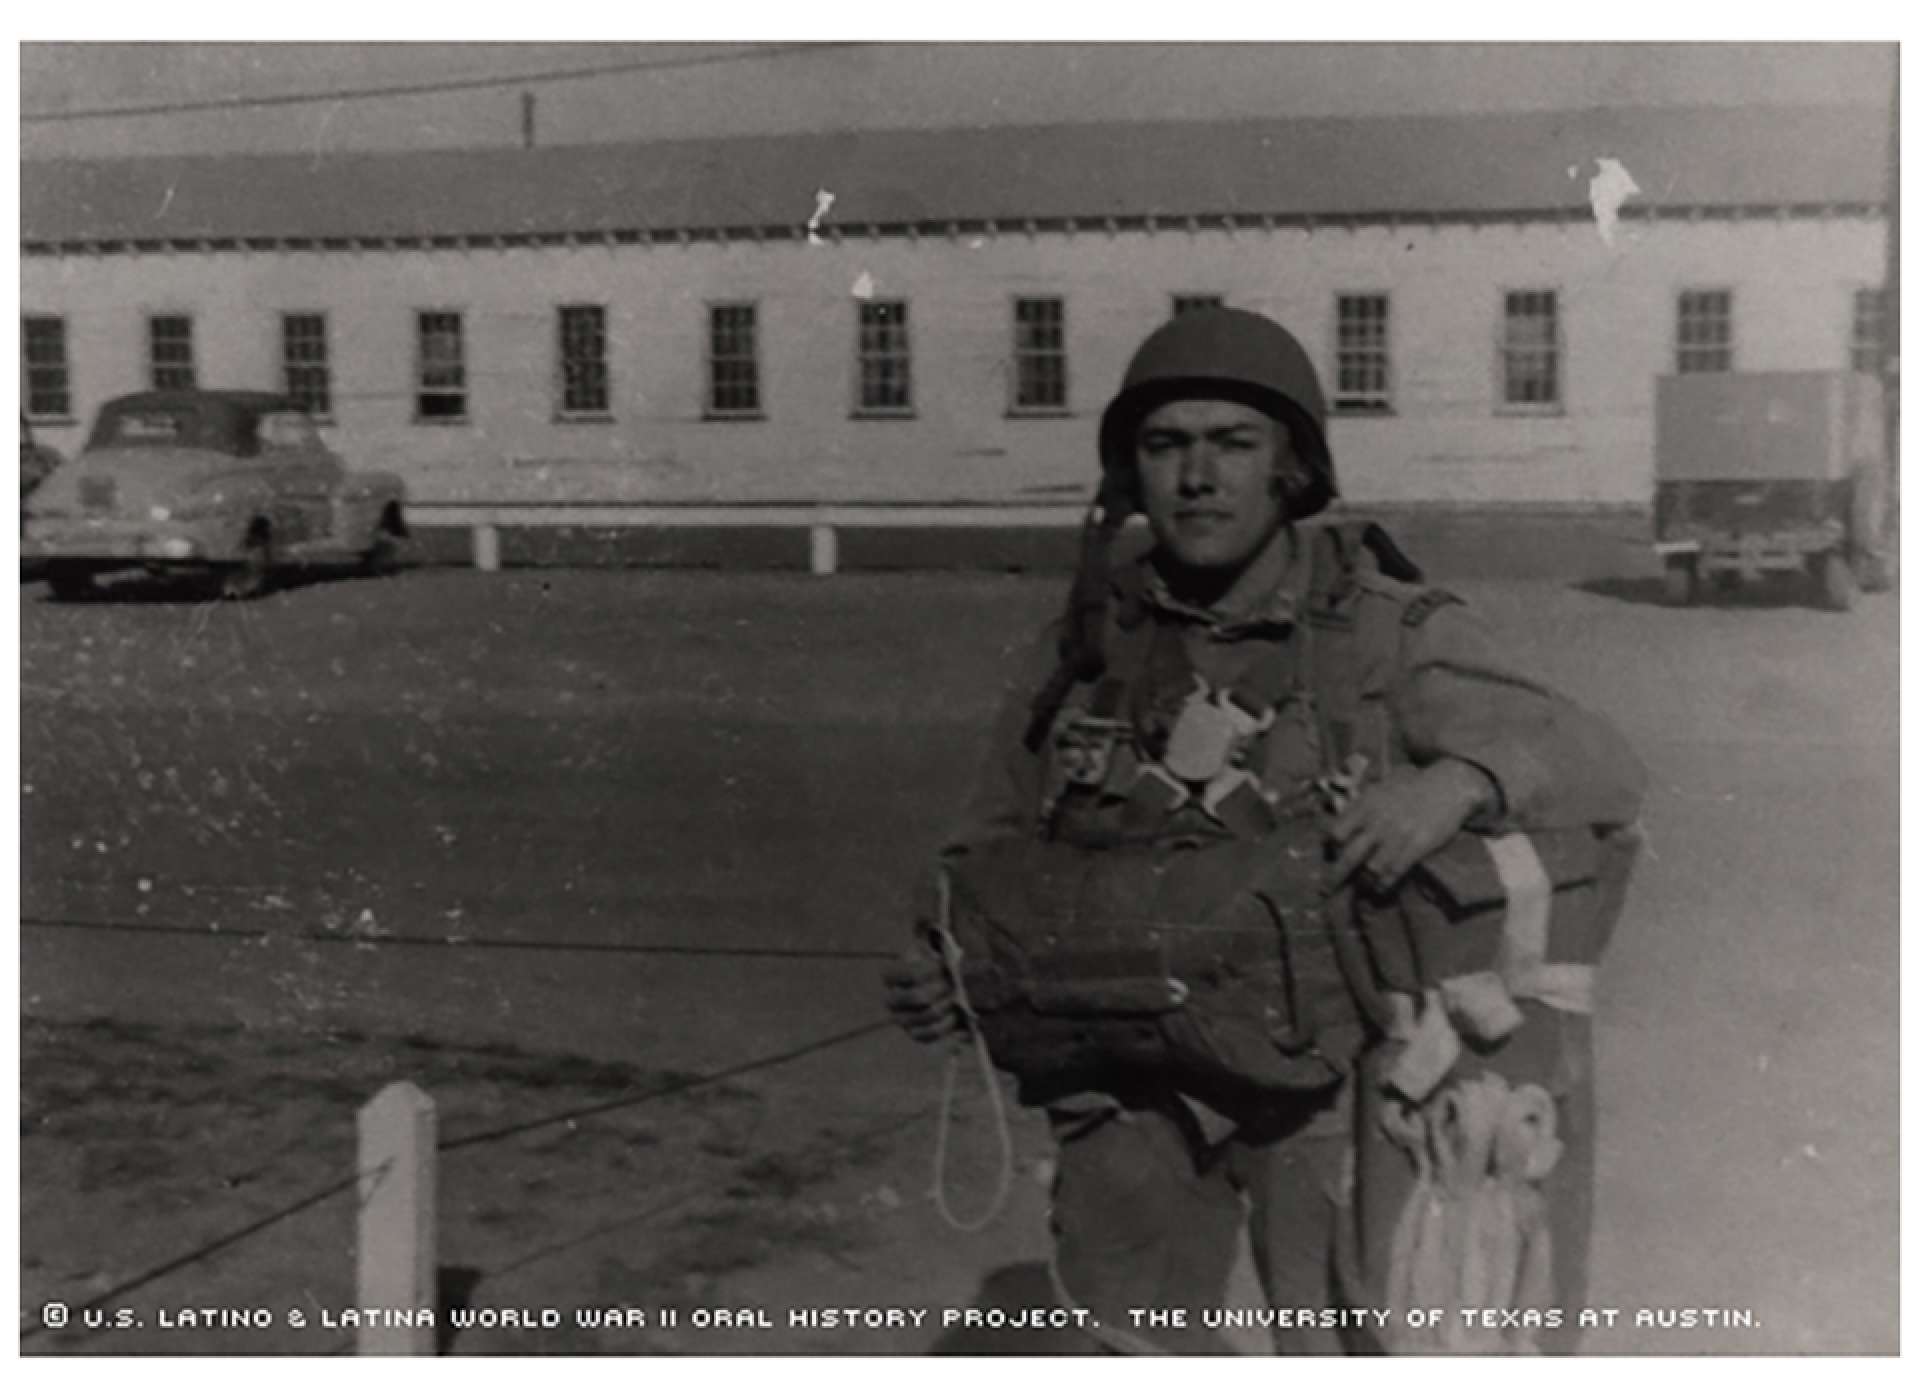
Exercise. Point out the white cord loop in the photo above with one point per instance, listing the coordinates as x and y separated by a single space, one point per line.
950 957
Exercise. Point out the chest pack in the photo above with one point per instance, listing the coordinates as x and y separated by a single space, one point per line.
1166 910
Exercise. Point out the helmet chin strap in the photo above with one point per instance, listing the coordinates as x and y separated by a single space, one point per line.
1083 656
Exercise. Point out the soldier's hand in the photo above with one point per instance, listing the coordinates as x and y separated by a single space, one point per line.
1394 824
921 999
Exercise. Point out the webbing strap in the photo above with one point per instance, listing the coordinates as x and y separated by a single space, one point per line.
1523 953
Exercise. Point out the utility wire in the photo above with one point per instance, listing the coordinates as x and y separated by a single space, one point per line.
212 1247
681 1086
668 1091
553 75
400 940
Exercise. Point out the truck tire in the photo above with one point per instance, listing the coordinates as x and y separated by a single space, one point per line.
69 582
1870 531
250 577
386 553
1681 583
1835 579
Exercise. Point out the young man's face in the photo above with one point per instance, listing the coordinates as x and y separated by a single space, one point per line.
1211 479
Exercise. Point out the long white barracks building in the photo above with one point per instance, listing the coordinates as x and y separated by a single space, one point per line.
939 316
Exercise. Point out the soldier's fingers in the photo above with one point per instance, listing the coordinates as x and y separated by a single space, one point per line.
914 972
1389 851
937 992
932 1028
914 999
1350 819
1355 852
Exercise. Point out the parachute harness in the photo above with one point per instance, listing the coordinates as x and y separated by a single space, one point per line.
950 957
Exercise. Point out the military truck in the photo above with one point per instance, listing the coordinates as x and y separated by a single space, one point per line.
1758 473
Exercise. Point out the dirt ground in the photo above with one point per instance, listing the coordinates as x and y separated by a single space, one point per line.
557 845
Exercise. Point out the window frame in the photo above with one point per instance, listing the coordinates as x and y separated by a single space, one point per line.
28 367
192 361
562 384
1504 406
323 366
899 355
1720 355
420 387
1020 355
1389 406
710 360
1884 322
1180 303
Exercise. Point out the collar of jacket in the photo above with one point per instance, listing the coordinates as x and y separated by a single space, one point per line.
1267 598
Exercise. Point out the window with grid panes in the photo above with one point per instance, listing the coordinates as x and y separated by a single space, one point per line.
1703 331
1040 353
170 352
440 390
1363 381
733 360
886 369
1183 302
1868 342
303 361
584 382
1530 351
46 392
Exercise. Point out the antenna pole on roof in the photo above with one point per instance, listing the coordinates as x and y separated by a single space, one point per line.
526 120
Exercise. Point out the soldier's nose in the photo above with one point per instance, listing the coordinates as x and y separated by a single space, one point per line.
1197 475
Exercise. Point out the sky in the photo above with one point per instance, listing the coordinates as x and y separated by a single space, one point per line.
715 89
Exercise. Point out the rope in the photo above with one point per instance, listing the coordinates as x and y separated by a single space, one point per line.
950 956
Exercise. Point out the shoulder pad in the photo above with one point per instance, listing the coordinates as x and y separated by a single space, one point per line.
1388 557
1354 552
1425 604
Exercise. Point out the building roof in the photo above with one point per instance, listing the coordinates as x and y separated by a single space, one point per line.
1364 169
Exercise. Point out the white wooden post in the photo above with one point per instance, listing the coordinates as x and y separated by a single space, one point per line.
486 548
825 551
397 1226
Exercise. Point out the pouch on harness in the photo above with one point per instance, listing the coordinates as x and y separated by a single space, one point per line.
1167 911
1473 1174
1088 944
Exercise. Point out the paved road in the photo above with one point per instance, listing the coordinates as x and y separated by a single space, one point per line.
713 762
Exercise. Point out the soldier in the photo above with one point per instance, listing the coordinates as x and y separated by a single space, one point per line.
1174 902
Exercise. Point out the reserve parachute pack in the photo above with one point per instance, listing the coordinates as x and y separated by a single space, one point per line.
1168 908
1168 912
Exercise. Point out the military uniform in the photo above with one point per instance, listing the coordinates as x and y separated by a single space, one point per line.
1137 887
1148 1196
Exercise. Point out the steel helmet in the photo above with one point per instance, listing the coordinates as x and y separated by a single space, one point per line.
1218 353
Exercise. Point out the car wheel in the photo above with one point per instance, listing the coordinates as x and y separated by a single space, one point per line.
68 582
1871 532
385 554
1835 580
1682 582
249 578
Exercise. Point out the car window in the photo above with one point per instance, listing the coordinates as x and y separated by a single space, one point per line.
286 430
151 426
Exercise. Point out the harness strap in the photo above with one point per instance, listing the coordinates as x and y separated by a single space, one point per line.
1523 951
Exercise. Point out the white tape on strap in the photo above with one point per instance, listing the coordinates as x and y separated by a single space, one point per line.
1523 954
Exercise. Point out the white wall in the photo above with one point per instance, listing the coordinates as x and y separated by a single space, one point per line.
1792 283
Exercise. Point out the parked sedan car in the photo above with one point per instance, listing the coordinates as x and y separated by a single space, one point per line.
229 482
36 461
